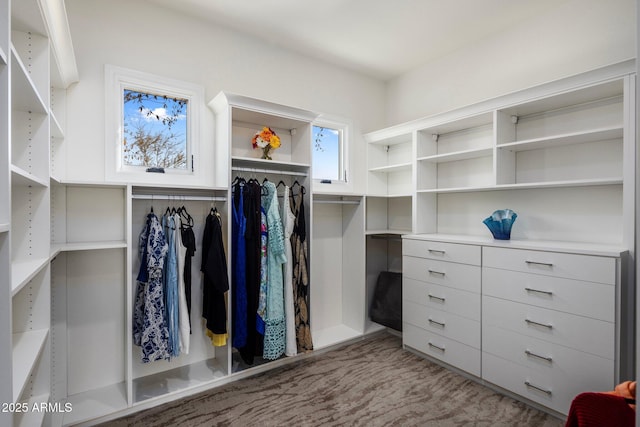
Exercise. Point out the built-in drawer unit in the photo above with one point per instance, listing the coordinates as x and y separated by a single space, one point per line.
451 352
541 320
441 301
453 252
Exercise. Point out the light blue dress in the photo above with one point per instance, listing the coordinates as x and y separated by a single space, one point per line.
275 330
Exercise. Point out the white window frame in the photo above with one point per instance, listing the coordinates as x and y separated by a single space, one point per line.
117 79
344 126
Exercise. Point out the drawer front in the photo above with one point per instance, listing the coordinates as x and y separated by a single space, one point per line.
588 299
581 333
454 252
552 388
449 351
459 276
462 303
570 266
440 322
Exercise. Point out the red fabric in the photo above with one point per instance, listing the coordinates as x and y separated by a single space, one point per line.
600 410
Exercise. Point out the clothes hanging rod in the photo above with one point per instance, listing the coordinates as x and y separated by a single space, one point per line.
338 202
270 171
178 197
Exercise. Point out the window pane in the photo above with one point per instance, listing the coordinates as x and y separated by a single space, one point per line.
154 130
327 153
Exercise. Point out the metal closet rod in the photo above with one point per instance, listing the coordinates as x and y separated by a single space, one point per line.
271 171
179 197
337 202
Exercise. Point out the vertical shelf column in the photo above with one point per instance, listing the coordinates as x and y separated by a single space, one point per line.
6 374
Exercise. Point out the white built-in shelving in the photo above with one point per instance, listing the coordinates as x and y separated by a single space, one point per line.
27 259
560 155
567 140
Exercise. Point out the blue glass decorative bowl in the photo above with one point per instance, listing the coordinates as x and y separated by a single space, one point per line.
500 223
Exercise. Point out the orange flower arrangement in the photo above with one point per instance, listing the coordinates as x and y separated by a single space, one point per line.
267 140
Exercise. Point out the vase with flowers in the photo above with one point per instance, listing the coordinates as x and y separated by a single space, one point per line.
266 140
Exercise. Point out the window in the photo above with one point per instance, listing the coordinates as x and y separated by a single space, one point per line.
328 146
151 127
154 130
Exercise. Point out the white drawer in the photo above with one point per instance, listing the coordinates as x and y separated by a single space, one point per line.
571 266
581 333
440 322
449 351
465 254
553 388
460 276
463 303
588 299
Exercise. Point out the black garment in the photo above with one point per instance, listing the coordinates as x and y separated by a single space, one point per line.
252 200
189 241
215 277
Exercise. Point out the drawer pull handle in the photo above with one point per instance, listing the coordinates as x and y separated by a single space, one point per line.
436 346
439 273
436 298
546 264
436 251
535 387
435 322
538 291
545 325
532 354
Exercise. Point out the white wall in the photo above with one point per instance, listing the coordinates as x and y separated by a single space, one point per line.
577 36
135 35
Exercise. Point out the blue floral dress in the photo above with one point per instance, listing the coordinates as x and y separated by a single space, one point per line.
149 325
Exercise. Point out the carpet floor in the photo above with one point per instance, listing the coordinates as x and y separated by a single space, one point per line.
373 382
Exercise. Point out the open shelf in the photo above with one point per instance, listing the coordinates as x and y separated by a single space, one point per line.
23 178
86 246
457 155
27 347
96 403
565 139
177 379
25 95
23 271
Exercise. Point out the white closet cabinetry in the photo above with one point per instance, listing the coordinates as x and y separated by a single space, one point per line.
89 249
24 223
6 300
335 223
551 329
338 294
551 324
441 301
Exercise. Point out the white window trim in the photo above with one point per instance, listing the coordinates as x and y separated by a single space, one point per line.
345 126
116 80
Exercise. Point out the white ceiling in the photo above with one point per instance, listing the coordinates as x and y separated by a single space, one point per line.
382 38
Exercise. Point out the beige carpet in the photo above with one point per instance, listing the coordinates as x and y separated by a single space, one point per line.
373 382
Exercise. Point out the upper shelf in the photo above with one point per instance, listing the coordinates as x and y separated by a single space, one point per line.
566 139
25 96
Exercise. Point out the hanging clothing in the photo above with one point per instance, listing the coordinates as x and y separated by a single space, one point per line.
184 325
188 239
252 237
300 274
215 280
274 337
261 317
288 222
171 285
149 326
238 279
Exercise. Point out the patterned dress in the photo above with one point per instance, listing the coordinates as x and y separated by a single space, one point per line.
274 335
149 324
301 275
